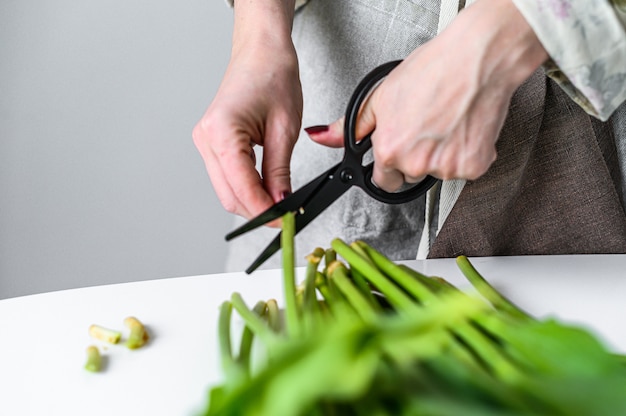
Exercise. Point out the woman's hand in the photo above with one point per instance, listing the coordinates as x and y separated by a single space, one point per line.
259 102
441 110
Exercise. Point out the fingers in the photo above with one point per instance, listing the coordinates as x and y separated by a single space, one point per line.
389 180
397 162
279 144
460 158
259 101
231 167
442 159
413 179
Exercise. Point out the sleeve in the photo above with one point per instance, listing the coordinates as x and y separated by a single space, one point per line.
586 42
299 3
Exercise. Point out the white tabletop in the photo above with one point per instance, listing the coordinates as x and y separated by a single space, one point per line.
43 337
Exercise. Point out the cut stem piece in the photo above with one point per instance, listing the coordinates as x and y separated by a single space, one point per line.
138 334
94 359
104 334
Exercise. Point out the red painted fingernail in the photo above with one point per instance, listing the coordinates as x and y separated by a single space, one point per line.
316 129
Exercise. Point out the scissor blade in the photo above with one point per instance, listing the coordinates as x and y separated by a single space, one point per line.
290 204
272 248
266 216
329 191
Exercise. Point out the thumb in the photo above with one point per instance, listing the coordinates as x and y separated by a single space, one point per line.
330 135
366 121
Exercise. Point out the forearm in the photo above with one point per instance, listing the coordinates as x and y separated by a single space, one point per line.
264 25
488 28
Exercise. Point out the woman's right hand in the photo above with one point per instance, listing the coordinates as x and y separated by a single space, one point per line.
259 102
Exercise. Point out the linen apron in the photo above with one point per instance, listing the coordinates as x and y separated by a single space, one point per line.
338 42
554 188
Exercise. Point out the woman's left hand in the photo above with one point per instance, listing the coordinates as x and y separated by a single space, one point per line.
441 110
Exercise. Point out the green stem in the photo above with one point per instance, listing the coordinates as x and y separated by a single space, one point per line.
358 246
289 273
311 311
252 320
247 337
273 315
435 284
321 284
408 282
483 287
313 261
621 358
491 355
365 289
336 301
226 353
359 279
330 255
363 306
465 357
395 296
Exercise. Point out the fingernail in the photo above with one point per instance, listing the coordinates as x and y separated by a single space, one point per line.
284 194
316 129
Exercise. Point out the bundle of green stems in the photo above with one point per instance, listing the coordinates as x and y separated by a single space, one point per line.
363 335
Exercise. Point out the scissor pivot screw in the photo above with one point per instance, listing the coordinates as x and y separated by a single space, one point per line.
346 175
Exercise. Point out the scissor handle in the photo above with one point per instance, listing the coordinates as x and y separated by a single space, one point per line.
358 149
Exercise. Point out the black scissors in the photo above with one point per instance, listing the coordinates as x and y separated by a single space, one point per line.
313 198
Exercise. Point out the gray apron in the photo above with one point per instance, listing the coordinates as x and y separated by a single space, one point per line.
338 42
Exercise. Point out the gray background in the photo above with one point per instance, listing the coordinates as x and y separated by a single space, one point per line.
99 179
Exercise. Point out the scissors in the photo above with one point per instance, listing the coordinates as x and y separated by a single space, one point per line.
313 198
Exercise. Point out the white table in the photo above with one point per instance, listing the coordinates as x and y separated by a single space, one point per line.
43 337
